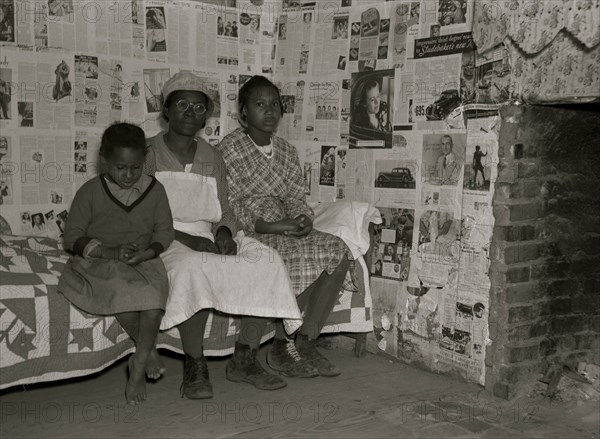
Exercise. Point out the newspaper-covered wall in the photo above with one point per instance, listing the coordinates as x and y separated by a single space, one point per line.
69 68
386 102
389 104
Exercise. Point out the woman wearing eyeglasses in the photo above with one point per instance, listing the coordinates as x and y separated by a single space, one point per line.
207 267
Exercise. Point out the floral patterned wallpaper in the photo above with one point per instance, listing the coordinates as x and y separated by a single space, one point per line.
554 46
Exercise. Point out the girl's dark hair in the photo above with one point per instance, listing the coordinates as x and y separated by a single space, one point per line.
122 135
255 82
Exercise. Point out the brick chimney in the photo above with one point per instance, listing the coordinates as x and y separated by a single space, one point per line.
545 294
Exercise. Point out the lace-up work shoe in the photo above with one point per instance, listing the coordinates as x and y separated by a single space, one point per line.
285 359
196 384
308 350
245 367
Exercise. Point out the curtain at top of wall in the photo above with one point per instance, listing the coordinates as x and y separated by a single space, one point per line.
533 24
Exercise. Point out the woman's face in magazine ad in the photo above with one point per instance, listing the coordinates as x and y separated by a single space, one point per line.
373 100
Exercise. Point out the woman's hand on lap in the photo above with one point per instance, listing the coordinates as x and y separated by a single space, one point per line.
140 256
225 243
196 243
126 251
120 252
204 245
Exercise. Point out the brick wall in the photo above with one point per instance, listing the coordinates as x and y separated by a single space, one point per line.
545 295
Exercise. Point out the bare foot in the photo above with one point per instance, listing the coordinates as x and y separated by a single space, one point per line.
135 390
154 365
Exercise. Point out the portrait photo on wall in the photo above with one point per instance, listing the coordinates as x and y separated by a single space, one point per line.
282 33
136 7
393 244
156 29
307 172
154 79
25 110
56 197
87 66
37 157
452 12
227 25
40 27
439 233
340 28
288 102
62 84
4 148
60 8
26 224
457 341
303 63
327 175
478 170
372 102
5 93
443 158
397 227
155 18
5 191
326 110
7 21
38 224
61 221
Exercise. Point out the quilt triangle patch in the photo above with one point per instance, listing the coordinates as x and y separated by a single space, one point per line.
24 309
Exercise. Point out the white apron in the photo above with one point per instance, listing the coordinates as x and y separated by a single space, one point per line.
254 282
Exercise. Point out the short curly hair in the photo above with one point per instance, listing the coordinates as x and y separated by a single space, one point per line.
122 135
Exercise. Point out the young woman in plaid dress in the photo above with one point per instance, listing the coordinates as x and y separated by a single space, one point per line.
267 194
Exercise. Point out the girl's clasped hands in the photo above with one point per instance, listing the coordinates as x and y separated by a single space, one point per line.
297 227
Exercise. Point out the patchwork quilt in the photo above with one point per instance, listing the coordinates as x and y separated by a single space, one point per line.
44 338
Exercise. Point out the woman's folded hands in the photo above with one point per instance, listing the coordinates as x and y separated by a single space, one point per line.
224 241
223 245
296 227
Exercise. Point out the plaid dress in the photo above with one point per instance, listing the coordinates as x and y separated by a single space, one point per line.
271 189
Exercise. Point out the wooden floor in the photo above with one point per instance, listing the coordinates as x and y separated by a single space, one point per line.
373 398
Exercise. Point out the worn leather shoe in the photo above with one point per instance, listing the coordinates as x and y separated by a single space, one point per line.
308 350
285 359
245 367
196 384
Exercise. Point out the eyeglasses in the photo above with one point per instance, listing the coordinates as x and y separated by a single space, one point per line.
183 105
